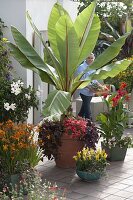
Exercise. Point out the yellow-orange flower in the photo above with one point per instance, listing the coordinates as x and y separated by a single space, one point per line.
5 147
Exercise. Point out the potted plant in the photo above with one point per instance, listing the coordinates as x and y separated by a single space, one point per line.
113 123
90 164
18 149
60 140
70 44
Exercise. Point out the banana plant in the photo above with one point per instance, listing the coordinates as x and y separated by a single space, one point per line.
70 44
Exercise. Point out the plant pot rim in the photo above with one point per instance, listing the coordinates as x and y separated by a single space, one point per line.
96 172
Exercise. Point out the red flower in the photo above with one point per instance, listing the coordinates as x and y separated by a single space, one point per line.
105 95
123 85
76 128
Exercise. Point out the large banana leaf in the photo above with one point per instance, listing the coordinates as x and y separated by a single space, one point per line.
57 103
49 58
67 42
21 58
87 26
111 70
56 13
26 48
109 54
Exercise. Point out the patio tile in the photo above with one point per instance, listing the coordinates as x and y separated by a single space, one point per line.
98 194
124 193
113 197
89 198
130 198
127 181
119 186
116 185
76 195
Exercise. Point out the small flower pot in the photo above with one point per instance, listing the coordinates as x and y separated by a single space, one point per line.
115 153
86 176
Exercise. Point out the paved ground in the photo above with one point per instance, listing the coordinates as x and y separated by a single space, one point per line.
116 185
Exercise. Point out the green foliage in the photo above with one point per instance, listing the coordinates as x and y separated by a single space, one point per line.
70 43
50 133
113 122
21 99
32 187
5 63
17 147
91 161
125 76
2 26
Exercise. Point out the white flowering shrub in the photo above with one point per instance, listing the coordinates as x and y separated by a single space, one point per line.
15 100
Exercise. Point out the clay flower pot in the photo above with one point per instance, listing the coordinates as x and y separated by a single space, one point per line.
67 150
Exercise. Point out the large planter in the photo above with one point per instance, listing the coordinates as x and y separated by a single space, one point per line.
115 153
69 147
88 176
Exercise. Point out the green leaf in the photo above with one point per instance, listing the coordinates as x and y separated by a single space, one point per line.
57 103
67 42
102 118
49 58
111 70
109 54
22 59
91 39
26 48
87 26
56 13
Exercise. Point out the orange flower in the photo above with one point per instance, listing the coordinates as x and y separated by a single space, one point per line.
2 133
5 147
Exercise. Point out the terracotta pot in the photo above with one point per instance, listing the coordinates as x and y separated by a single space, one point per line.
67 150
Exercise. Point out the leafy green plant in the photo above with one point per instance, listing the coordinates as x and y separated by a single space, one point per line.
5 63
113 122
15 100
17 145
1 28
70 42
91 161
31 187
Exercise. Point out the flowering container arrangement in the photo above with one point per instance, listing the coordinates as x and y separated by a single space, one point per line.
18 149
60 140
113 123
90 164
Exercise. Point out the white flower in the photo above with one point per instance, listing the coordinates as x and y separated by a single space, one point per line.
16 87
20 83
13 106
7 106
27 96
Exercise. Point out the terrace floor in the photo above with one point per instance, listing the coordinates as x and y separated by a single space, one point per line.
116 185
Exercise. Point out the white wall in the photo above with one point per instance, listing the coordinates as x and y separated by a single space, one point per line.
71 8
12 13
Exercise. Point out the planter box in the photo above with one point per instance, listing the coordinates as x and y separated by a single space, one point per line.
115 153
